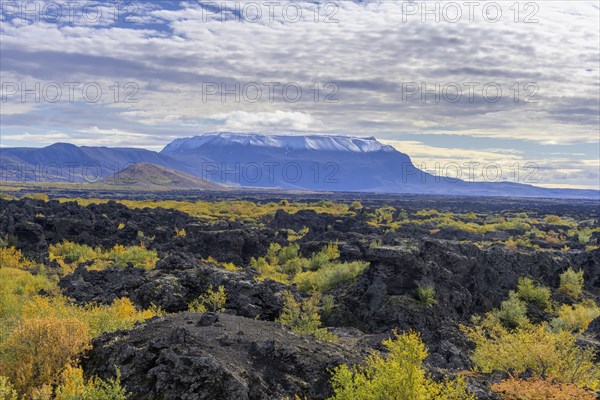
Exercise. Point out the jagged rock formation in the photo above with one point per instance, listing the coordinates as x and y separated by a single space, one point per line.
192 356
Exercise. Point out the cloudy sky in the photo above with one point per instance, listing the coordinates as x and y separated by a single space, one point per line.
511 83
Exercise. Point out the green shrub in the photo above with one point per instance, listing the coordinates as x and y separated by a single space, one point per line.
303 317
329 275
329 253
210 301
267 270
69 252
139 256
531 293
319 272
512 225
288 253
375 244
571 283
399 375
7 391
356 205
292 266
426 295
384 216
328 304
512 312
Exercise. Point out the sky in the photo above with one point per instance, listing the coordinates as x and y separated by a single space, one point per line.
511 84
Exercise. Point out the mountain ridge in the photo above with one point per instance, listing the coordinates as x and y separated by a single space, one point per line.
291 142
335 163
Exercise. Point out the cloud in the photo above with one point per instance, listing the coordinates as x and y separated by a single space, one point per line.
370 52
277 121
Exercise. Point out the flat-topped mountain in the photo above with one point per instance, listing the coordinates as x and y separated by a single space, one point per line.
314 162
288 143
254 160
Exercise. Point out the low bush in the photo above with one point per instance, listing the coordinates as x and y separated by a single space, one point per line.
426 295
329 276
539 389
512 225
266 270
399 375
139 256
75 387
121 314
13 258
571 283
210 301
533 348
531 293
7 391
320 272
38 349
512 312
69 252
303 317
577 317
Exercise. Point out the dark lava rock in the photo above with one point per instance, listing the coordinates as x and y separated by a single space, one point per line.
177 280
467 281
99 225
217 356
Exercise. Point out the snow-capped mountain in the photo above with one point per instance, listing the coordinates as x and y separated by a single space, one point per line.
313 162
302 162
289 142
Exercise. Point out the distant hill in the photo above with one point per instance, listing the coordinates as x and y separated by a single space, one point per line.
65 162
152 176
333 163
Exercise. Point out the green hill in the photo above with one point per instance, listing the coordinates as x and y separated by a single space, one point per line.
146 175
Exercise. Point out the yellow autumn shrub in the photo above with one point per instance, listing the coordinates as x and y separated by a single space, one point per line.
577 317
398 375
38 349
533 348
539 389
13 258
121 314
75 387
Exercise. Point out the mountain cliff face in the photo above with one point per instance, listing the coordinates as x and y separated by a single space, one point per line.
308 162
333 163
